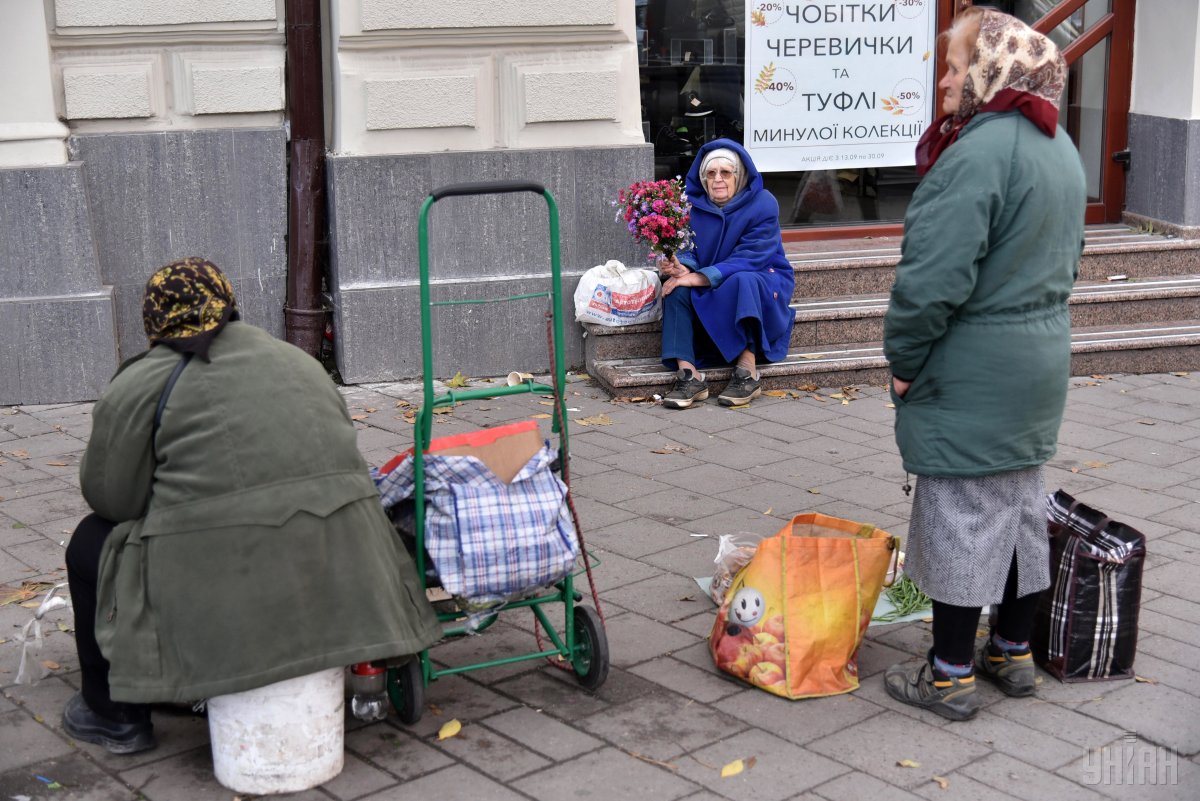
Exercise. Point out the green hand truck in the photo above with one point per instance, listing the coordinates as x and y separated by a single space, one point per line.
583 643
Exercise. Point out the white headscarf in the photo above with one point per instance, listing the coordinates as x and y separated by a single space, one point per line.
724 154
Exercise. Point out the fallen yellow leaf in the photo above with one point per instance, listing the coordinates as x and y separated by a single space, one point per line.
815 492
810 355
57 464
1181 374
733 768
1145 680
808 387
942 781
51 664
19 454
595 420
443 410
459 380
775 393
769 510
541 416
890 405
449 729
837 395
908 763
1095 465
546 403
358 417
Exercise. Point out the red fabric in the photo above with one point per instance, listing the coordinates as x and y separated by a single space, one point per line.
1039 111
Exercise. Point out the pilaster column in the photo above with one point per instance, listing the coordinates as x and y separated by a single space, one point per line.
1164 118
30 133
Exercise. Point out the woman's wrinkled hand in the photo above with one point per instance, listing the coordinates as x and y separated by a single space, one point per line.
900 386
687 279
671 267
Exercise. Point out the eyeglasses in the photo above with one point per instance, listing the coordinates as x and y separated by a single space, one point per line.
726 174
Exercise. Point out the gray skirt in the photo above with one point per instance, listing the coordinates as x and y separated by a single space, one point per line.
964 533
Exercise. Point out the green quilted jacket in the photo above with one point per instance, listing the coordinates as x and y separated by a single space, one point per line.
251 545
978 315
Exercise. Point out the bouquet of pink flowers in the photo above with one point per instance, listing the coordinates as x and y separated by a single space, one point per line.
657 213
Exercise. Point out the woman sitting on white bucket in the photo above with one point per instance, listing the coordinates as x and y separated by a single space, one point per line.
237 539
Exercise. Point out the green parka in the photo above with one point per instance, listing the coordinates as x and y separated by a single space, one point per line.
978 315
252 546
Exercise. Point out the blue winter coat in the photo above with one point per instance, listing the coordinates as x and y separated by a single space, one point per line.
739 248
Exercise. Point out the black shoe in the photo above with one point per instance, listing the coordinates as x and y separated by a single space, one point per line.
741 389
952 697
693 106
81 723
687 390
1011 671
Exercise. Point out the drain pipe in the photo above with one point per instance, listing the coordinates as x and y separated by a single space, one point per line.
304 318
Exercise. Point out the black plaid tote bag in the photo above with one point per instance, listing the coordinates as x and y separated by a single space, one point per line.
1086 626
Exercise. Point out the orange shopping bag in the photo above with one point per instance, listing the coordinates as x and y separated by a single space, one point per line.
794 616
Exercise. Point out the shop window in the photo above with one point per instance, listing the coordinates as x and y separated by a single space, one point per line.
692 56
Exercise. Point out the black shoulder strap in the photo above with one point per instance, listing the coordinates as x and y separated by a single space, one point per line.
166 393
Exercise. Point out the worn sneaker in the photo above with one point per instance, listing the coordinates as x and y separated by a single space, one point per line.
949 696
687 389
1012 672
742 388
81 723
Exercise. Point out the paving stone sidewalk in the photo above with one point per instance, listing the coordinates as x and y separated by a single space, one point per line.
654 488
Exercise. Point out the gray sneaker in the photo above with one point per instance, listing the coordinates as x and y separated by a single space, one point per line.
951 697
686 390
741 389
1012 673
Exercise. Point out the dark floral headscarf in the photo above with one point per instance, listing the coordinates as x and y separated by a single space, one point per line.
186 305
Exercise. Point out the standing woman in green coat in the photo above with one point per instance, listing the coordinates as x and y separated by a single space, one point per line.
977 335
238 539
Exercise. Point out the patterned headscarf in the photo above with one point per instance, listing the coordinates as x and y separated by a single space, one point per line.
1013 67
1011 55
186 305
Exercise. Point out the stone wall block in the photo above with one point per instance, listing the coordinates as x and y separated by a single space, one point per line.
46 234
600 173
373 206
554 96
157 197
379 331
497 235
104 13
224 87
66 349
416 14
109 92
443 101
1164 176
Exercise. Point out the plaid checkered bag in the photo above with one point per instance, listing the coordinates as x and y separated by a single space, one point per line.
490 541
1086 626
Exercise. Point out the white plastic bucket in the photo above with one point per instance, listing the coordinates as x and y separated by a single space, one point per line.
281 738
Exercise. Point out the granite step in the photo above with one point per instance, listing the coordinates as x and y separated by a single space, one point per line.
835 268
1158 348
829 321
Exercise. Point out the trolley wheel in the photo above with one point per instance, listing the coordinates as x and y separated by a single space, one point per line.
590 659
406 689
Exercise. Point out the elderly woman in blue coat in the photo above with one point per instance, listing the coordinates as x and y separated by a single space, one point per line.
979 340
726 301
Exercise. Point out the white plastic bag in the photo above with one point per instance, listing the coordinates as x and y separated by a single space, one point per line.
613 294
734 551
31 669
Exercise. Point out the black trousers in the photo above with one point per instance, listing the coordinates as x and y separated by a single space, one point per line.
83 568
954 626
